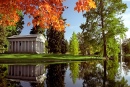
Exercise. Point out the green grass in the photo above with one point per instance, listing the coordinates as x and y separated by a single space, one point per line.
26 58
54 56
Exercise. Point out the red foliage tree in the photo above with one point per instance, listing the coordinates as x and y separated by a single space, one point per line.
49 11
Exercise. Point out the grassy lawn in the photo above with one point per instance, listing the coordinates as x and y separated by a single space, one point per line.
52 56
43 58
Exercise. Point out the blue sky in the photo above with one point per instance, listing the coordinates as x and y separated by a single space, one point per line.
75 19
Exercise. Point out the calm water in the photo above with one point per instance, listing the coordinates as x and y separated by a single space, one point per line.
92 73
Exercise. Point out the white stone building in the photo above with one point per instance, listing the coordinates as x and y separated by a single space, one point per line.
33 43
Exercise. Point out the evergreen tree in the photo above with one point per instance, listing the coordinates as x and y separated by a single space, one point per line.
37 30
64 46
56 41
74 45
83 45
103 26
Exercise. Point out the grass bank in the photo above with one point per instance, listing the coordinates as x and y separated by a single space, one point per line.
19 58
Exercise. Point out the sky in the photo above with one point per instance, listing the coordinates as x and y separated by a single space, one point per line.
75 19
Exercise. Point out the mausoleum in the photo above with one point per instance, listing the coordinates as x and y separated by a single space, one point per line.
33 43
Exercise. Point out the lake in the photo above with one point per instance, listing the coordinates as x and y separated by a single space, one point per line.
91 73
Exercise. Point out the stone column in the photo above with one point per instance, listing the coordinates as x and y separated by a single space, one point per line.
36 44
32 46
18 45
40 47
28 46
21 46
25 47
12 47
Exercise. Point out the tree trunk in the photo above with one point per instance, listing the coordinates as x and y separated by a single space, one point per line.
104 43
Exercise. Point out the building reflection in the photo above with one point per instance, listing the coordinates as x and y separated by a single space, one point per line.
25 72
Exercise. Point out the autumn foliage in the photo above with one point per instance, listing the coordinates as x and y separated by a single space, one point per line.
48 12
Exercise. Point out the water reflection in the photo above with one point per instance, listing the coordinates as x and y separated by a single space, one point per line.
30 73
74 68
56 75
91 73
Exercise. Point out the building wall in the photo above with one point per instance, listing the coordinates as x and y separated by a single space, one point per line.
26 45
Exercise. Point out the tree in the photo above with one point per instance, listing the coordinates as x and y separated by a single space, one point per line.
85 46
74 45
56 41
2 37
103 26
126 46
17 29
64 46
50 11
37 29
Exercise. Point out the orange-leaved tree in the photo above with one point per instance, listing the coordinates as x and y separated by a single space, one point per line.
49 11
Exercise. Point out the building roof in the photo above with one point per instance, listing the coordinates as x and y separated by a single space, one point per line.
25 36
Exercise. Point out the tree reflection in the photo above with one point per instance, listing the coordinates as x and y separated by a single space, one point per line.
14 84
74 68
126 65
3 72
34 84
55 75
93 74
